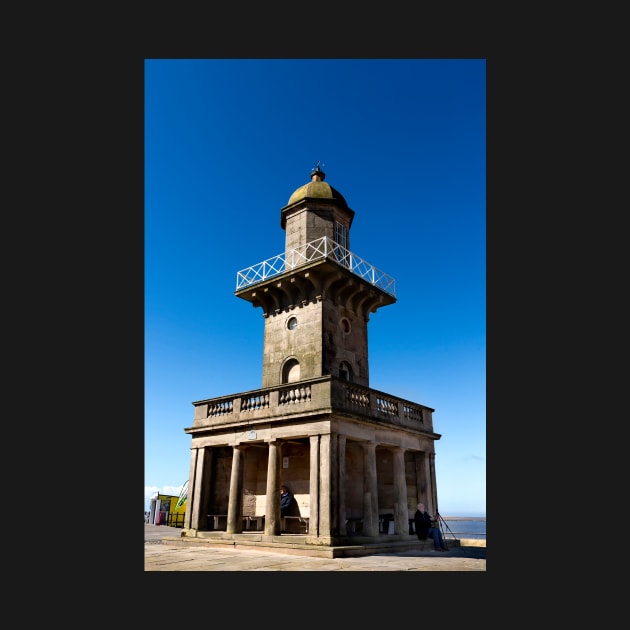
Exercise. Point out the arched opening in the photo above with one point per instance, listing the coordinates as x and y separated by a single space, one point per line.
291 371
345 371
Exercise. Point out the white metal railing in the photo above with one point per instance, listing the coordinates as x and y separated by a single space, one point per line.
321 248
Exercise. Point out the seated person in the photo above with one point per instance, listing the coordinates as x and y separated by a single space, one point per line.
288 504
424 530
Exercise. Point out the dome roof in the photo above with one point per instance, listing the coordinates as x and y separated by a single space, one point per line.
317 187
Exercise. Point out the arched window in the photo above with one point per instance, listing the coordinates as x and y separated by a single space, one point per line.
345 371
291 371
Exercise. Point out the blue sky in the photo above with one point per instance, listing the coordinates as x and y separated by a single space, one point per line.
227 141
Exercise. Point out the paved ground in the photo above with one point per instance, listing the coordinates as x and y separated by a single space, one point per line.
160 556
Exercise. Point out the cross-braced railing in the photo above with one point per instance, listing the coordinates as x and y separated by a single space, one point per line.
315 250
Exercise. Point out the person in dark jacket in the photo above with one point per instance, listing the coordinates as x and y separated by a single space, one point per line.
287 502
422 521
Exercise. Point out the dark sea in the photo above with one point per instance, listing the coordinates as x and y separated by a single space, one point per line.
463 527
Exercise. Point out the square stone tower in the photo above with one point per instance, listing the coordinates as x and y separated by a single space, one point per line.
317 307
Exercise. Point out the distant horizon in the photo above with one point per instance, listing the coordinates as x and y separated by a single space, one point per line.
476 516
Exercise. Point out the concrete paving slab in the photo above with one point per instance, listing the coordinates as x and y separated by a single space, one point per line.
162 556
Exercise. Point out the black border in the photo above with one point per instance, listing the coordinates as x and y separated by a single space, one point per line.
108 309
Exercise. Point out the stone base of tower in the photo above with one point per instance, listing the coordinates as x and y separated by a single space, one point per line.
304 545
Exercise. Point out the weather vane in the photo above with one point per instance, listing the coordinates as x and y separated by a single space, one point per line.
318 165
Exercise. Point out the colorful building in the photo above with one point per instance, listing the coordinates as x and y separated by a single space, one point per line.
166 509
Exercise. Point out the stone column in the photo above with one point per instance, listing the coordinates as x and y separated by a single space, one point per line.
370 490
235 502
432 486
420 478
341 457
313 519
272 506
426 470
191 517
334 486
401 510
199 480
324 486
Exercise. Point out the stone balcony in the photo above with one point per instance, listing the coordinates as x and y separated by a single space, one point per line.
316 397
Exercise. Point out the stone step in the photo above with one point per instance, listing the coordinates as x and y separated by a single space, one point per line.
354 546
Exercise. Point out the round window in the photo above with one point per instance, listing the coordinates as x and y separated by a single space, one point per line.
292 323
345 325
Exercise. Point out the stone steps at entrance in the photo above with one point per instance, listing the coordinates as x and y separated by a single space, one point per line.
344 547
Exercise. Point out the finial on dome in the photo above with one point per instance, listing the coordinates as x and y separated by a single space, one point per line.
317 174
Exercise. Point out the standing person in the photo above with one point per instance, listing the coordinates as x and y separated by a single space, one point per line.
422 521
286 501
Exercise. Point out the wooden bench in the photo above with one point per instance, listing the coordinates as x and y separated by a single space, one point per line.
289 522
219 520
258 521
216 522
386 523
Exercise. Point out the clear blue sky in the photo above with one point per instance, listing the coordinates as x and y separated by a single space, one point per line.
227 141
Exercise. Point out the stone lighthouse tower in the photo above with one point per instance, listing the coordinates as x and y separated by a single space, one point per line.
316 314
357 460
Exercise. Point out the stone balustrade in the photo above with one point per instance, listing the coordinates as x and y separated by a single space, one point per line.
326 394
